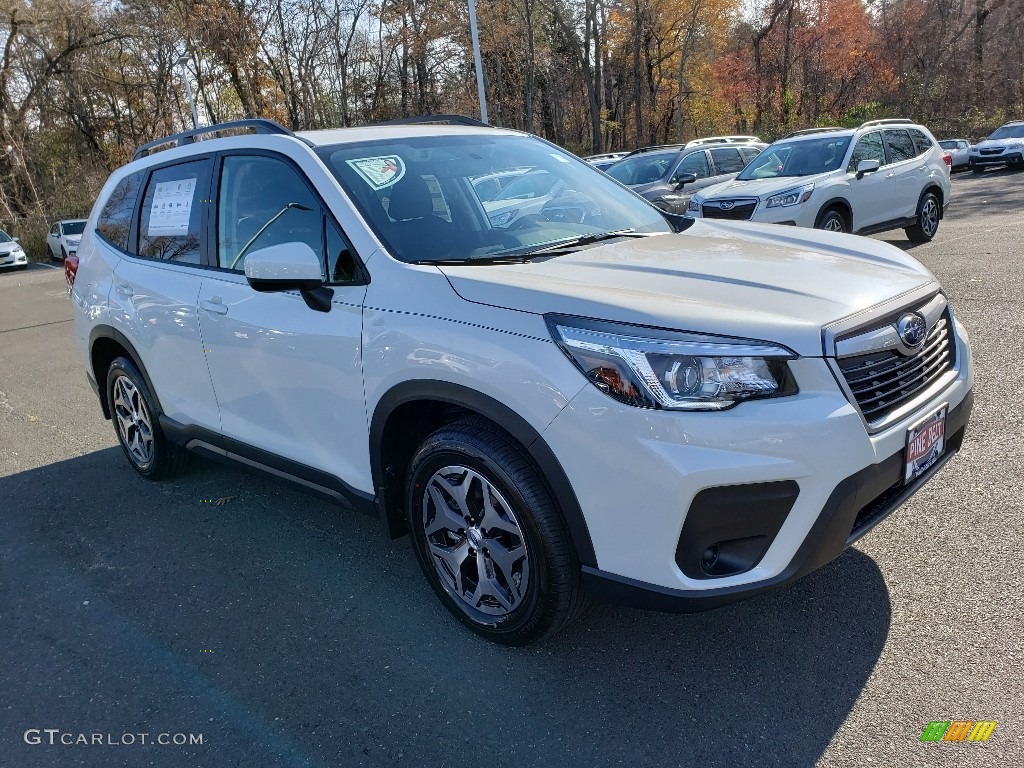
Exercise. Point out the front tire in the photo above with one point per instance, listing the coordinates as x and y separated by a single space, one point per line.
489 537
928 214
135 414
833 220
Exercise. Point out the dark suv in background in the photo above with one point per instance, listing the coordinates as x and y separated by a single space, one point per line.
669 175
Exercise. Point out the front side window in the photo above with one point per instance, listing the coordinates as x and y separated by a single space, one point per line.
262 202
802 157
170 227
901 146
695 163
727 160
418 195
868 147
645 168
115 220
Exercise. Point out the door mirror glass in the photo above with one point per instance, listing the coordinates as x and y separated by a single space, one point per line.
286 267
682 179
867 166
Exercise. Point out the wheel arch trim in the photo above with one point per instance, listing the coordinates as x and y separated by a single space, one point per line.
507 419
100 332
836 202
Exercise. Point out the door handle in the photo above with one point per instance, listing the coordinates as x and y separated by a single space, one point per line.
124 289
214 305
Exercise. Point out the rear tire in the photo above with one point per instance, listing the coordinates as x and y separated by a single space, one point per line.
489 537
929 212
833 220
135 414
63 254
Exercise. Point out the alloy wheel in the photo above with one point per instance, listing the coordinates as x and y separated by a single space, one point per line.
474 541
929 216
134 424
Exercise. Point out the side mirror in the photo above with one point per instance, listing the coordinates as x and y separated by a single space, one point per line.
16 239
683 179
867 166
289 267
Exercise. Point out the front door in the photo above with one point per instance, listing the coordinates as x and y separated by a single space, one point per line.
288 378
871 194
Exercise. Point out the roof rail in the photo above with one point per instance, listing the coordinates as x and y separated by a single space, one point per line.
260 125
809 131
655 148
890 121
436 120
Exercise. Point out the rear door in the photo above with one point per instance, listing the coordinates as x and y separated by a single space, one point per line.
156 287
288 378
907 171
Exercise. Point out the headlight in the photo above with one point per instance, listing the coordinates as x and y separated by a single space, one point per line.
502 219
652 368
693 205
790 197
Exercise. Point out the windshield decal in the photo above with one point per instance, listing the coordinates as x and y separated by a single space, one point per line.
379 172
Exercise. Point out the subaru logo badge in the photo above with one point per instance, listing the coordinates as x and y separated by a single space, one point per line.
726 205
912 329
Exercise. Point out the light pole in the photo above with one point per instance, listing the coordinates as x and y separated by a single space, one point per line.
182 61
481 91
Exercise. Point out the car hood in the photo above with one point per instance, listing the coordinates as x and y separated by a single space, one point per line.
6 248
778 284
993 143
760 188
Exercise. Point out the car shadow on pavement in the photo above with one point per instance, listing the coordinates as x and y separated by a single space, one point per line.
288 631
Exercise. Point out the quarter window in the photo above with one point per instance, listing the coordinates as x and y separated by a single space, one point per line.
900 145
171 224
868 147
921 142
115 220
727 160
263 202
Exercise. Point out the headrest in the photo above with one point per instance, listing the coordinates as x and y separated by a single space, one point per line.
410 199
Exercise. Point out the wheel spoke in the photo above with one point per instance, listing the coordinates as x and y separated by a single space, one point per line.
492 518
445 518
452 560
504 560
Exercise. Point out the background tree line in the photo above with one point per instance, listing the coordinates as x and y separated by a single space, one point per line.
84 82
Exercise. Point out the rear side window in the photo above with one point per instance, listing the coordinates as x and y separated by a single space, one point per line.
171 224
727 160
900 145
921 142
749 153
115 220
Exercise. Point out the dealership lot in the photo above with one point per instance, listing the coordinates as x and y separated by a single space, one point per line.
288 632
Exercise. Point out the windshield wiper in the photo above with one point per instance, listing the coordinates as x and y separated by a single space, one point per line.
524 256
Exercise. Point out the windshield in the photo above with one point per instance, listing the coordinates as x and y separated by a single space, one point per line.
73 227
805 157
4 237
418 194
1008 132
645 168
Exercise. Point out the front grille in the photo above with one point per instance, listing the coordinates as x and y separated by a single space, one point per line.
739 212
882 381
993 151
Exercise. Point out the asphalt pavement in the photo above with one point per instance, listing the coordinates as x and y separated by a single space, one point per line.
278 630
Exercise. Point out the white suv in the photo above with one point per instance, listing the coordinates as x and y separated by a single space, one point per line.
887 174
638 407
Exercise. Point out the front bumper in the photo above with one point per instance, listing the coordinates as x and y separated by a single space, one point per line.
19 260
1005 158
858 504
638 475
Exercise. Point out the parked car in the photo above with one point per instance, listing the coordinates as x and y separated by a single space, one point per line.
1004 147
959 153
726 140
12 255
489 185
886 174
638 408
63 238
537 193
669 175
605 161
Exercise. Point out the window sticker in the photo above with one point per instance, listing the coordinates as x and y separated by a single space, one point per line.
379 172
171 210
559 157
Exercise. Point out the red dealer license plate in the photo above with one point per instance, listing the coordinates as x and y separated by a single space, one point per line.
926 441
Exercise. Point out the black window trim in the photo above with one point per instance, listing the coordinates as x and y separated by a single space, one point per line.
362 276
